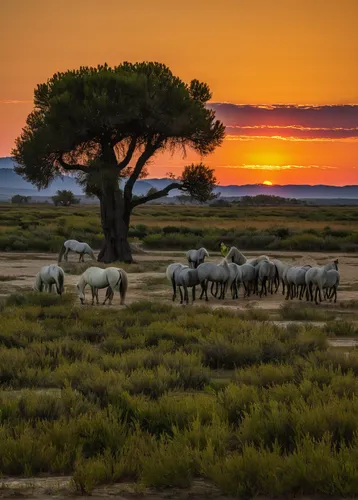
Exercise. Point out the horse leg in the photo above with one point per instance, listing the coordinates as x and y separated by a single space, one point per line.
288 292
193 293
206 290
202 290
65 255
335 294
181 294
186 295
315 295
93 292
174 289
283 287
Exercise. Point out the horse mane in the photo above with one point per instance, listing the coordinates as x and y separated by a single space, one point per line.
234 253
203 251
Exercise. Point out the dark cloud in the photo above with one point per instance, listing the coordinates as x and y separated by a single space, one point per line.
338 122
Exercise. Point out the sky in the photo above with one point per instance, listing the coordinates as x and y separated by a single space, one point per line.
283 73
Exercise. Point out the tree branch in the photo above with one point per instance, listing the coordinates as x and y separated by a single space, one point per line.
149 150
67 166
157 194
131 148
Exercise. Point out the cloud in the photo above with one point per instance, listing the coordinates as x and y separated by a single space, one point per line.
289 122
278 167
13 101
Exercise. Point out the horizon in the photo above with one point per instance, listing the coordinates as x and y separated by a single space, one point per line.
265 65
150 177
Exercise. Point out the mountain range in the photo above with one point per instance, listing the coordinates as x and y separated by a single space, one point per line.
11 183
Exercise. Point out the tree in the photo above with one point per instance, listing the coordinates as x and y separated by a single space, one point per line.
18 198
65 198
105 124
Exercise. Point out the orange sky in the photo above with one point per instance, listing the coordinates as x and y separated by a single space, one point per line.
249 51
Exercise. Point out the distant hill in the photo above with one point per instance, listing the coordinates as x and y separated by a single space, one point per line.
11 183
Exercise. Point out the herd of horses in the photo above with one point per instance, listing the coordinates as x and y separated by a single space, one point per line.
260 276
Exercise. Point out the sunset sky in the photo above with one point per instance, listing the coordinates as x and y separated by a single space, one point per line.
283 73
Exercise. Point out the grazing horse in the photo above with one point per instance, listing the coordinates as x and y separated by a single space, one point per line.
112 278
172 269
49 276
214 273
77 247
316 277
196 257
186 278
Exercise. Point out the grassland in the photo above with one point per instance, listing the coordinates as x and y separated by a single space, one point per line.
44 227
160 396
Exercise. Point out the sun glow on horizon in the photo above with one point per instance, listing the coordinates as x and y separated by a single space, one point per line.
268 183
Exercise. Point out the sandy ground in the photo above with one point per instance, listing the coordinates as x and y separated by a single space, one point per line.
21 268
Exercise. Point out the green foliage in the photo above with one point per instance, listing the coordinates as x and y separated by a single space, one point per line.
44 228
18 198
135 396
65 198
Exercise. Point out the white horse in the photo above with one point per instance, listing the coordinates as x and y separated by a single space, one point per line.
196 257
265 273
316 277
237 257
49 276
214 273
171 270
281 268
77 247
112 278
186 278
247 276
295 279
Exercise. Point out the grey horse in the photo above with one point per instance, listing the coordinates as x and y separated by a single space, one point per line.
171 270
196 257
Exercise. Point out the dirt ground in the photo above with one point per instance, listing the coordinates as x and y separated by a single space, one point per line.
18 271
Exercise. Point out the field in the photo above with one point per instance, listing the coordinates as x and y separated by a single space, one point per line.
288 228
228 399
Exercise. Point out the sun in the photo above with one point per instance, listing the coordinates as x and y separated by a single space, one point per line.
267 183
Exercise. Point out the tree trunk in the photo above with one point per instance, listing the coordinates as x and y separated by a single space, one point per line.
115 217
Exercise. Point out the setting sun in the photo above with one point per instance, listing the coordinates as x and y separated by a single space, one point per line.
267 183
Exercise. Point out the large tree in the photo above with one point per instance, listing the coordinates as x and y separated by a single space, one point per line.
105 124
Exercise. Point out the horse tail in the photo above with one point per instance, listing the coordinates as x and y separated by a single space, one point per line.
123 285
62 251
38 283
61 278
277 278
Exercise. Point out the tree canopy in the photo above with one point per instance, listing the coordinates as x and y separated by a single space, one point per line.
94 118
65 198
105 124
